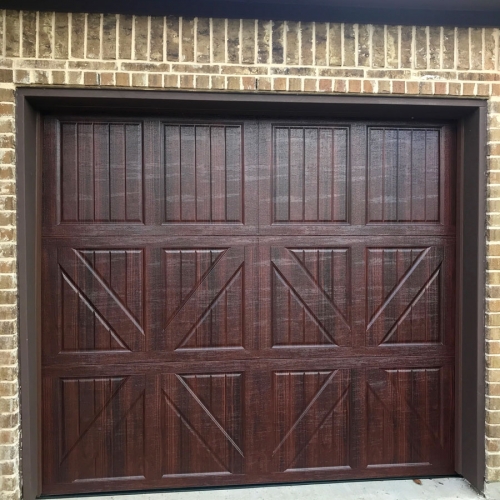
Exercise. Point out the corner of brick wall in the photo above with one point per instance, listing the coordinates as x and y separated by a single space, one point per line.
168 53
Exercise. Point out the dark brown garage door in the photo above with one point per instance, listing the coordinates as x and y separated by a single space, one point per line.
234 301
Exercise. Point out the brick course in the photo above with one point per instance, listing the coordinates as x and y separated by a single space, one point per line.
118 51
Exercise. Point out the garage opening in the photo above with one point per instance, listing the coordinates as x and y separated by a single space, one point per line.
244 301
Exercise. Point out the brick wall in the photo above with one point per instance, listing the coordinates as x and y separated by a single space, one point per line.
172 53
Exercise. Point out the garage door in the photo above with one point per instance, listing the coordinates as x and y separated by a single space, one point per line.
231 301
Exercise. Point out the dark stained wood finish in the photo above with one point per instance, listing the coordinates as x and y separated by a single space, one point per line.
238 302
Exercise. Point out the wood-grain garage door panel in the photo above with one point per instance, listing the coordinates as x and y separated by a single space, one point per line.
312 428
99 300
99 427
203 173
101 172
310 174
308 309
404 295
205 298
404 181
239 301
408 416
202 413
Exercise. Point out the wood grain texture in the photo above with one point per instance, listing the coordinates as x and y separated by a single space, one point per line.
243 302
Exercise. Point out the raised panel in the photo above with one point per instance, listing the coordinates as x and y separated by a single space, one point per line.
404 295
203 173
101 430
202 413
404 175
205 298
310 297
311 420
101 173
408 417
101 300
310 174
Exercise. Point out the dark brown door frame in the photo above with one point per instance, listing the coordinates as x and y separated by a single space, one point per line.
469 114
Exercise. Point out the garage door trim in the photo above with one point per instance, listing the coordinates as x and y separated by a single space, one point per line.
470 115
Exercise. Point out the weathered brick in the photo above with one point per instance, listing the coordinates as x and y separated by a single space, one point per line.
172 38
392 50
29 34
203 40
187 82
421 42
279 84
248 41
320 40
441 88
233 83
139 80
156 39
384 87
335 44
306 52
2 31
155 80
77 35
264 30
278 42
61 35
378 47
203 82
141 26
426 88
406 47
243 70
108 79
392 73
187 46
12 33
412 88
93 36
476 48
339 86
294 84
364 46
354 86
449 48
291 30
300 70
463 48
218 82
435 50
349 56
109 22
45 30
233 41
90 78
490 48
455 88
125 37
325 85
263 84
171 81
219 40
310 84
469 89
6 75
248 83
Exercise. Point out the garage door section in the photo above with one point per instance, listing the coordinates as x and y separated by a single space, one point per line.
235 302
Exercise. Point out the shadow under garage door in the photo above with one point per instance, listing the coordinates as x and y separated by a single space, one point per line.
236 301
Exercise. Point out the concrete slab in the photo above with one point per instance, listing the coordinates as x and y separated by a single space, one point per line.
403 489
